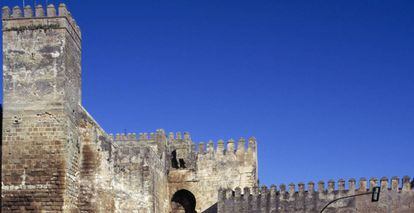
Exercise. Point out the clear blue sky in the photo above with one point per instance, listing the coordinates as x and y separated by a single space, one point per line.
325 86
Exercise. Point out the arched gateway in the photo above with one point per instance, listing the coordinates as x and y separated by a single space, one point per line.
183 201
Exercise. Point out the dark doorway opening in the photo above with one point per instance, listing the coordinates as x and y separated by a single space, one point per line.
183 201
174 162
177 163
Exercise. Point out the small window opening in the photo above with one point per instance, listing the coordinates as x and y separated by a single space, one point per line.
174 162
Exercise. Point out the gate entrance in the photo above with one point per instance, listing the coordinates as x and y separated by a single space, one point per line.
183 201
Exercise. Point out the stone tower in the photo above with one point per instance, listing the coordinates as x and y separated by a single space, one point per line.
42 93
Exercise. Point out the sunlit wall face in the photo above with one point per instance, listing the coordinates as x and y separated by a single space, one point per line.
324 87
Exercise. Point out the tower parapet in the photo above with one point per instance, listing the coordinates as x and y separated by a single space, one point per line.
45 44
37 16
228 148
139 137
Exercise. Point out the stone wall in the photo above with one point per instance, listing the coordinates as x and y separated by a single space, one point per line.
140 180
41 75
394 197
208 168
146 180
96 167
55 157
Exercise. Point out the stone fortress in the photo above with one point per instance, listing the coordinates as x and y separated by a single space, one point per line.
56 157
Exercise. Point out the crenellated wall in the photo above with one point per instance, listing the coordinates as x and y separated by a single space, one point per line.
204 171
209 168
56 157
140 181
228 157
39 12
395 197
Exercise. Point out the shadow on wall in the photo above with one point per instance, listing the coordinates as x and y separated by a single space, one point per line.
212 209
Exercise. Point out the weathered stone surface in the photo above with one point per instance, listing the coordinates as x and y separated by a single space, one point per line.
152 168
140 180
56 157
398 199
41 94
211 169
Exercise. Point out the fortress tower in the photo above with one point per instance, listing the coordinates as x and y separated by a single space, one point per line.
51 147
42 91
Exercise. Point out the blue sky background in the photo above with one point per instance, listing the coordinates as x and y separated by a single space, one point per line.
325 86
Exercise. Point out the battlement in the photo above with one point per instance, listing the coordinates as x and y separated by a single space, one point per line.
297 197
28 18
172 137
141 137
229 147
222 148
178 137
